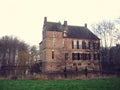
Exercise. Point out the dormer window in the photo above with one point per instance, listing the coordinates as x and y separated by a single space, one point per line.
64 33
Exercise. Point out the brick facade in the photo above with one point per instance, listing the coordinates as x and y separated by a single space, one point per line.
59 49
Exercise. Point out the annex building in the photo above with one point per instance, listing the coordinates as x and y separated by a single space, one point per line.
68 47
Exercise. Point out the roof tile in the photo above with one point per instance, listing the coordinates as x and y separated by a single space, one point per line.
73 31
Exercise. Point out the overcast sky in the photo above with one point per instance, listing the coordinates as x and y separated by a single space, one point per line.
24 18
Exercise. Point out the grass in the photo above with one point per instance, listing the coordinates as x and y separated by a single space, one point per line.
97 84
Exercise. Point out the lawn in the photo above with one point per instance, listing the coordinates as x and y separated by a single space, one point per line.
96 84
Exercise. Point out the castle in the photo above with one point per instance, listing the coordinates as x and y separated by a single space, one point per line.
67 47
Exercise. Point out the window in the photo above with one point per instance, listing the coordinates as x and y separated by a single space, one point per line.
81 56
77 44
98 45
74 44
78 56
94 56
88 56
87 45
91 45
84 56
83 45
74 56
80 44
52 54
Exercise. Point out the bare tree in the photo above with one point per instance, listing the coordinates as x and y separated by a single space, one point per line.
9 48
34 52
117 23
107 32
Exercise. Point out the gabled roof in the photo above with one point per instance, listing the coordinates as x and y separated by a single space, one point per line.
72 32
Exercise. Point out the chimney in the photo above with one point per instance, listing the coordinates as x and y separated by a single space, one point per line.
86 25
45 19
65 23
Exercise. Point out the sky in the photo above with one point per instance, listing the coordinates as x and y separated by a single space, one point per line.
24 18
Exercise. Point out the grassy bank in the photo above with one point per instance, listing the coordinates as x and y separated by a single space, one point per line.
97 84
